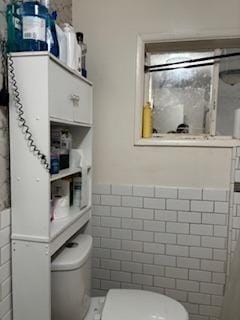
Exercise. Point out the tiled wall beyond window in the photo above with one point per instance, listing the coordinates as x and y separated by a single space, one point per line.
169 240
5 267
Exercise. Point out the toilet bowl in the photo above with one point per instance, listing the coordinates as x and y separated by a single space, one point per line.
141 305
71 284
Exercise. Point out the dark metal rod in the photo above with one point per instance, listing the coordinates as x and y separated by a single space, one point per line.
184 67
221 56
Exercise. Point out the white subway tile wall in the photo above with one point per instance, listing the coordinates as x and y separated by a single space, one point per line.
5 266
168 240
234 203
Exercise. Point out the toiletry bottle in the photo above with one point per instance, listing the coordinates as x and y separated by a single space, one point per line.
34 26
77 188
62 42
65 147
147 121
55 165
79 54
72 60
46 3
54 49
80 39
52 39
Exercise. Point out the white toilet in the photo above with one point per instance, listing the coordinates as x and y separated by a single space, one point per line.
71 287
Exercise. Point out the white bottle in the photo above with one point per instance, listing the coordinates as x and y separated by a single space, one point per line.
62 41
77 188
72 60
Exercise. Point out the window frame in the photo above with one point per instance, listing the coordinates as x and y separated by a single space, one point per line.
172 139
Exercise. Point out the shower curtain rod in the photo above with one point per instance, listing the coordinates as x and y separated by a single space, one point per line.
162 67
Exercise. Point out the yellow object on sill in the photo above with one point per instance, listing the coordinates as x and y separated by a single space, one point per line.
147 121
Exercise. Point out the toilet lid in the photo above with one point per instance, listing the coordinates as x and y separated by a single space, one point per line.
141 305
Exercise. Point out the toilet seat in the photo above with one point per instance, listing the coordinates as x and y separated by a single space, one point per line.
130 304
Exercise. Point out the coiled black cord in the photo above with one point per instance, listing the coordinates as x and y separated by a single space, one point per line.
20 116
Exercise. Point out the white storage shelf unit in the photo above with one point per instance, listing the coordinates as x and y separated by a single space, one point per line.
52 94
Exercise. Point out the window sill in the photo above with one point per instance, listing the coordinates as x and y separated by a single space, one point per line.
214 142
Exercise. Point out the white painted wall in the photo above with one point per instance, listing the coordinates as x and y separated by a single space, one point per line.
111 29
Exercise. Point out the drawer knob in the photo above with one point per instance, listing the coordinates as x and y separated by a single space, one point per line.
75 99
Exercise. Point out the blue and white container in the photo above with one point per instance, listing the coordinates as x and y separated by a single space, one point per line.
34 26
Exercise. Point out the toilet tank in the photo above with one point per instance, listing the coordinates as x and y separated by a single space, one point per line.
71 280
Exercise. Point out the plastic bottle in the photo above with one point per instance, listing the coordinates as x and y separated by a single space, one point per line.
65 147
72 60
77 188
62 42
54 46
80 39
55 165
34 26
79 54
147 121
52 39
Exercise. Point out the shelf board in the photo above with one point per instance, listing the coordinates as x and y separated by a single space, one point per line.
70 123
62 229
59 225
64 173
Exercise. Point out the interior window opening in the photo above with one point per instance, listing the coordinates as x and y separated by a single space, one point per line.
192 93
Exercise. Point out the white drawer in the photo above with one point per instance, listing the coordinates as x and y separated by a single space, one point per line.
82 110
69 96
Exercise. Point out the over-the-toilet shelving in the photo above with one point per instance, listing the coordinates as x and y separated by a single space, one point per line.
53 95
